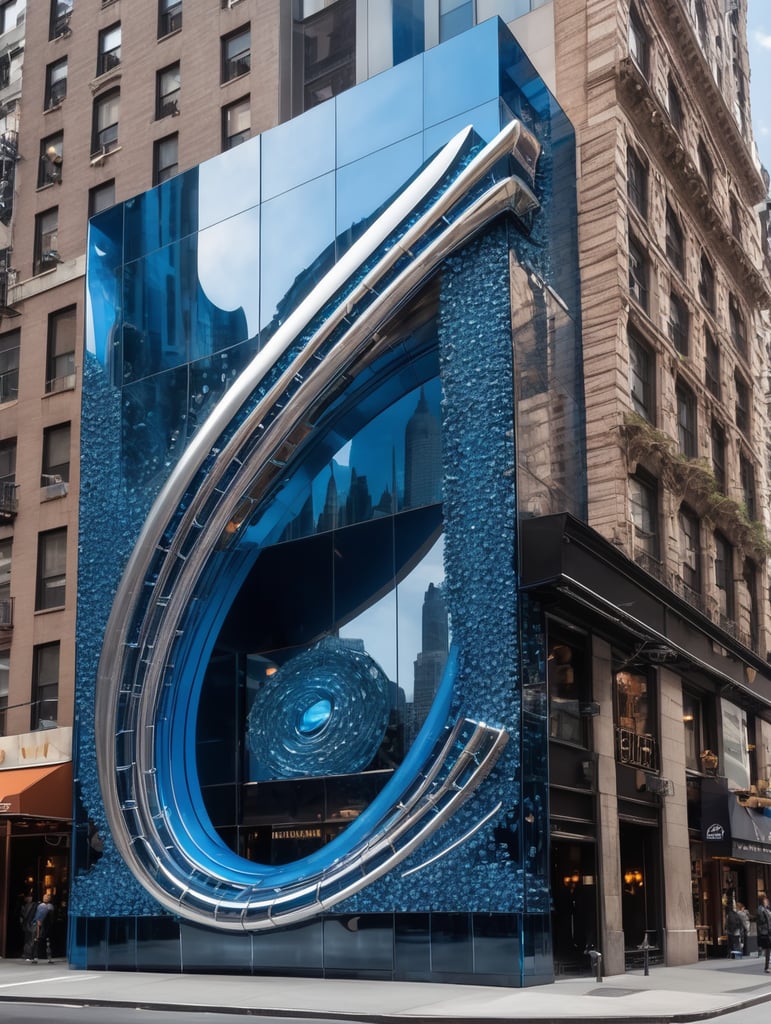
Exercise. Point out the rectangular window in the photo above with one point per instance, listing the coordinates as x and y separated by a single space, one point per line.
9 367
56 83
635 721
5 666
56 455
455 16
327 45
695 738
61 11
690 549
169 17
60 358
736 220
101 197
736 326
675 244
674 105
51 569
724 576
750 578
711 364
51 160
8 461
707 285
742 404
706 166
236 123
46 240
45 686
638 42
104 132
569 685
167 92
641 378
636 182
11 14
644 506
165 158
109 49
638 274
236 54
717 437
686 420
678 323
747 481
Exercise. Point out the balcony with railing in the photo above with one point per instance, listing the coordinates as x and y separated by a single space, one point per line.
9 502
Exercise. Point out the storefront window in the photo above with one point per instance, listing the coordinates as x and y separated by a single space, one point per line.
636 744
567 690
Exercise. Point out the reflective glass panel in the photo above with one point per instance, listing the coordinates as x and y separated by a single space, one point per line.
298 150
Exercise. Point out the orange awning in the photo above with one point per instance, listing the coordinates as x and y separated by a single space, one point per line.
41 792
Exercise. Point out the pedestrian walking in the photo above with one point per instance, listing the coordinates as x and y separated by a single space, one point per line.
27 925
42 922
744 916
733 927
764 929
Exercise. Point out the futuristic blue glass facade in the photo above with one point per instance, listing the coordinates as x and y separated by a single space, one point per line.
325 372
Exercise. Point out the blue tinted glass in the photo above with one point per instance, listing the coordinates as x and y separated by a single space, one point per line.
154 426
167 317
298 232
486 119
105 238
362 187
162 215
408 29
460 75
229 183
374 115
459 18
298 150
229 273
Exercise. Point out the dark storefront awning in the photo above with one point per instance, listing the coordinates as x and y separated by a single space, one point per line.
41 792
729 829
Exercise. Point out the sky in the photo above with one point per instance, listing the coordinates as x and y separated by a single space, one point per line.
759 40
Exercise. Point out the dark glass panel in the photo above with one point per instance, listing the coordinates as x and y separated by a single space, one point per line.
452 945
360 943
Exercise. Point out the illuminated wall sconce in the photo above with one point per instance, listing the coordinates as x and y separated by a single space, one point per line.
633 881
571 881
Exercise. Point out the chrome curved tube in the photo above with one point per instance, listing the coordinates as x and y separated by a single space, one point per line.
197 513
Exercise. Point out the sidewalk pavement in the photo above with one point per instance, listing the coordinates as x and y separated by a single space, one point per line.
695 992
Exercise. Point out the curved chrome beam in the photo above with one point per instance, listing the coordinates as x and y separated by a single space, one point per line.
224 474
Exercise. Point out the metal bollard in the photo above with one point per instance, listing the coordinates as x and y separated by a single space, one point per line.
645 947
596 959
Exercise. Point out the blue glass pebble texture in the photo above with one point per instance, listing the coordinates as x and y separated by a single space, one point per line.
148 384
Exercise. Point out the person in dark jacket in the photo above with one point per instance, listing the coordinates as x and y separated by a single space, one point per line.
733 927
764 929
27 924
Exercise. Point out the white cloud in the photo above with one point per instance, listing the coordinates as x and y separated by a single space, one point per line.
763 39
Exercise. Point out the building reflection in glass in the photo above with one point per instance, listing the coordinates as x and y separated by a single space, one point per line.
337 641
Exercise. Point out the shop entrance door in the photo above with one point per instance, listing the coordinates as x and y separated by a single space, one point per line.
641 894
574 905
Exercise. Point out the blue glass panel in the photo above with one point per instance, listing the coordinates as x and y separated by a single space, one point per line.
408 29
167 317
368 183
163 215
105 237
374 115
488 119
460 75
229 274
229 183
299 150
298 233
